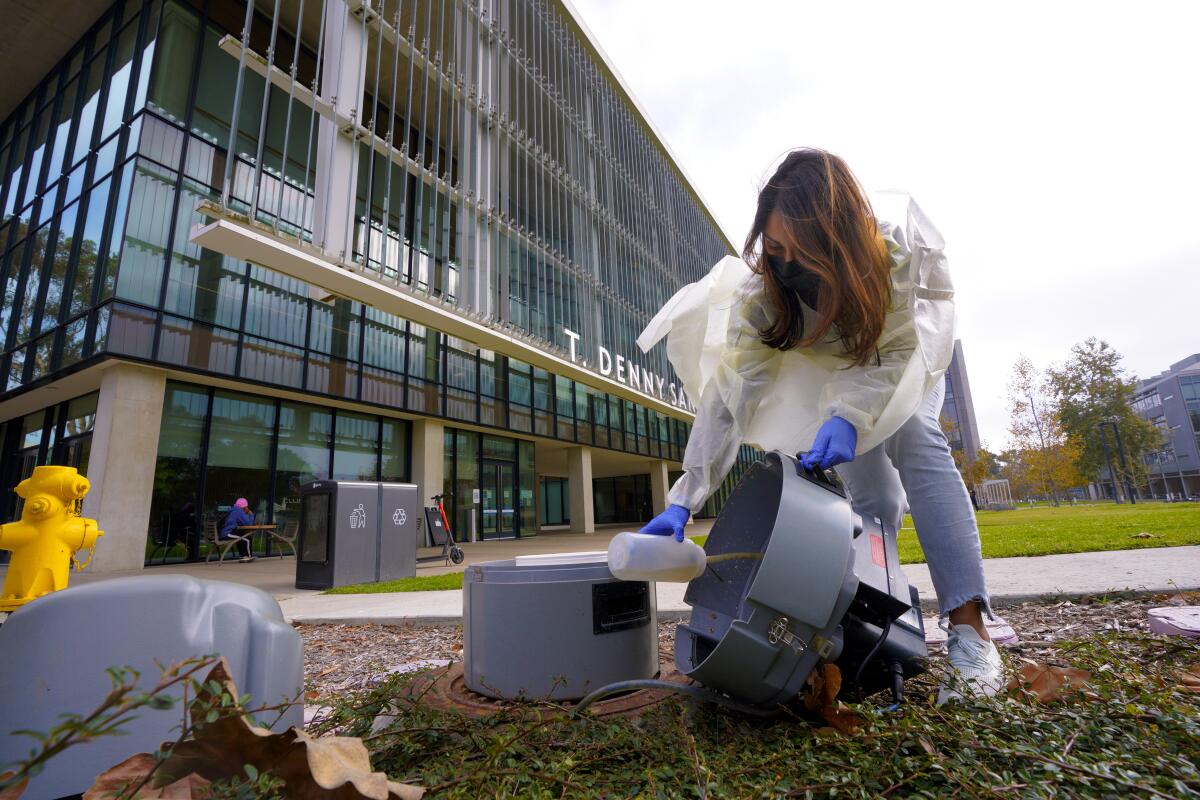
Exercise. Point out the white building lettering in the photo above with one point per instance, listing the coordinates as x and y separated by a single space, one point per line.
633 375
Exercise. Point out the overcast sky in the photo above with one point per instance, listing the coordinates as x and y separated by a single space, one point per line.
1054 145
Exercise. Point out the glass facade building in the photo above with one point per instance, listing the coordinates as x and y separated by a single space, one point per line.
958 410
1170 401
508 219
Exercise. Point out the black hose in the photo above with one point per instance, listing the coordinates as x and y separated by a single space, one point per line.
707 695
897 670
887 627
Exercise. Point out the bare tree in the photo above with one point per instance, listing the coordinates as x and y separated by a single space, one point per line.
1047 454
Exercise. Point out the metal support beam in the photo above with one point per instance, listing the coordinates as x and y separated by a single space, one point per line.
337 154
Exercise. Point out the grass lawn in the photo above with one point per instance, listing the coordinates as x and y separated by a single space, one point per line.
1070 529
421 583
1074 529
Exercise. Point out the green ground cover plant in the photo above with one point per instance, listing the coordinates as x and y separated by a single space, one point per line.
1137 736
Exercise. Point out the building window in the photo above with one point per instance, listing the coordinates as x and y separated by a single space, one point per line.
355 447
239 454
216 446
556 503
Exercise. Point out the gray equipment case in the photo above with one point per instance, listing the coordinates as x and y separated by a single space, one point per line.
827 587
555 627
55 650
356 532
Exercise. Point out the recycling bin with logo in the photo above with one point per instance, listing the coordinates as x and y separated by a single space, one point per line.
355 532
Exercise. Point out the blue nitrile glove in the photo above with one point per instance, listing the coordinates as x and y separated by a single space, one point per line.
834 445
669 522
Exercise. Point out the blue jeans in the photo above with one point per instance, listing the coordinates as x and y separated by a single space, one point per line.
916 461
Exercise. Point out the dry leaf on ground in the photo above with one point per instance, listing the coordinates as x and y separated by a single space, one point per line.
1049 684
12 793
842 719
133 770
825 682
1189 679
334 767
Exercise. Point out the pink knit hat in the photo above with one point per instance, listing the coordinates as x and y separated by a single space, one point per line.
242 503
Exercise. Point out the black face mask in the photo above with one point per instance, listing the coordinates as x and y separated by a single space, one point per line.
795 277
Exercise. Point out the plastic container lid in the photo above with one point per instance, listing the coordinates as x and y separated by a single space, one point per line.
553 559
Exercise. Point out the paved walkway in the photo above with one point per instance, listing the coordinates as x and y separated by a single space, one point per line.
1166 569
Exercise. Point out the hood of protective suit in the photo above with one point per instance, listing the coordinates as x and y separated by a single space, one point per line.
749 393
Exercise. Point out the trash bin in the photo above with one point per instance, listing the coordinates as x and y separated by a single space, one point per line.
399 526
355 532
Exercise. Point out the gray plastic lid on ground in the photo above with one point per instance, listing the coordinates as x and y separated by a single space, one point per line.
55 650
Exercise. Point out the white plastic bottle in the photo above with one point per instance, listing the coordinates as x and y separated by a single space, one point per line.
649 557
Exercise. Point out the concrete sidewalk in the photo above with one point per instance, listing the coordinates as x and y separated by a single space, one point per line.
1167 569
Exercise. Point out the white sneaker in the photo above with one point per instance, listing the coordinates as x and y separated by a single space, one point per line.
975 667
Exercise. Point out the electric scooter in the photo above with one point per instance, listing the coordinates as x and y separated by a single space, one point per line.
439 531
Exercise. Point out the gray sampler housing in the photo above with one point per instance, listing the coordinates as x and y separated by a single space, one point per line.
828 587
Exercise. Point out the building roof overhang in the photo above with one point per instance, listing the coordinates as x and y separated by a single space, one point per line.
37 34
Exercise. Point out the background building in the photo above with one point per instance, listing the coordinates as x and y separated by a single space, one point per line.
245 247
958 410
1171 400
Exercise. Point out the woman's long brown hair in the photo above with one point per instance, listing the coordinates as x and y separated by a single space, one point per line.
831 229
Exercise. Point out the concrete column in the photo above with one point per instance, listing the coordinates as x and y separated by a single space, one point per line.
121 464
579 487
659 485
428 460
343 78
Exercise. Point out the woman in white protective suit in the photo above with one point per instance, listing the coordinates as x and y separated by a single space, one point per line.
831 335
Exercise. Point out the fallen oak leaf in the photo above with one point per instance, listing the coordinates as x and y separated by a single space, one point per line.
833 684
117 780
1050 684
1189 679
335 767
842 719
824 683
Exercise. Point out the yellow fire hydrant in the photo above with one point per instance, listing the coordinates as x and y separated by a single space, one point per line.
44 541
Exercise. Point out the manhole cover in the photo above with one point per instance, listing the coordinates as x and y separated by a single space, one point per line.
446 689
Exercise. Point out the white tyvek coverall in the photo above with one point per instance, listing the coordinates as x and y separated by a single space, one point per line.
776 400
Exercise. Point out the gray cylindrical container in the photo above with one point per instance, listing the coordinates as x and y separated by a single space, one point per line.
555 627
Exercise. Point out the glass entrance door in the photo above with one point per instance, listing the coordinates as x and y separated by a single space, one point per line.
498 499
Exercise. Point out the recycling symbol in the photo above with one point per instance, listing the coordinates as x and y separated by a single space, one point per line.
400 516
